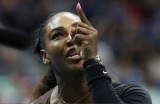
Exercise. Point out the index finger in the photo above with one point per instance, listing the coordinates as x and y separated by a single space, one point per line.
82 15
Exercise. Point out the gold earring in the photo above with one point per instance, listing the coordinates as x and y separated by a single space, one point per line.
46 61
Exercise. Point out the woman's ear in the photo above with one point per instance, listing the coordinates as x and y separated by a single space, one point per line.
44 56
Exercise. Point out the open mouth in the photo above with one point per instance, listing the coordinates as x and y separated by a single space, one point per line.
72 54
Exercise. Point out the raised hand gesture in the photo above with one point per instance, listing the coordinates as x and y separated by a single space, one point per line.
85 36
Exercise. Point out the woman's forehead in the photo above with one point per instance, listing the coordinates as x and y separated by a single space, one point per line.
64 19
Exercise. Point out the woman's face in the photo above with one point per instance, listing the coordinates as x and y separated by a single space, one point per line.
59 49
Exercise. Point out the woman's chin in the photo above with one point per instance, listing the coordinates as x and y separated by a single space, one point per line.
74 68
78 66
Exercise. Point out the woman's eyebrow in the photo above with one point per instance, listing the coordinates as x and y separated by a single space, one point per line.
57 29
60 28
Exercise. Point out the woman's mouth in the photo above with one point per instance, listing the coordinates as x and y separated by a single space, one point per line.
72 55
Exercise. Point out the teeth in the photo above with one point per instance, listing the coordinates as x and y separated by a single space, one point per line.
74 55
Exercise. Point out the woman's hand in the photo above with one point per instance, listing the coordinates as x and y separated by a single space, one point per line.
85 36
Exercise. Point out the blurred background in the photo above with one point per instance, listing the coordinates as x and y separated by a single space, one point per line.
129 39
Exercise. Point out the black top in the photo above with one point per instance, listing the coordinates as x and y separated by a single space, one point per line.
104 91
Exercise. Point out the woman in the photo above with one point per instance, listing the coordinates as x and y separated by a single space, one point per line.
67 43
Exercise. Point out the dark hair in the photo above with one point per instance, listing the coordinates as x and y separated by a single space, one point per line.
46 81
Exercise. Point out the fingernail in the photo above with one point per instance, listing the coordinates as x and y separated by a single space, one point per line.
79 6
73 32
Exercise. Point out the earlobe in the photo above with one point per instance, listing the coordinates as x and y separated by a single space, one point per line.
46 61
44 56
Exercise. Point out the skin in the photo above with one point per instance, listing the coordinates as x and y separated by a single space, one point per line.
59 43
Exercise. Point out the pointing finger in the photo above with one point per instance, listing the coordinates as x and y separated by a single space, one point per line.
82 15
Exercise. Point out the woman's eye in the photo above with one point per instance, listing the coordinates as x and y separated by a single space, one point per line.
57 36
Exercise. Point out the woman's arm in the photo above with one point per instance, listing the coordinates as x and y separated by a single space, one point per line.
102 90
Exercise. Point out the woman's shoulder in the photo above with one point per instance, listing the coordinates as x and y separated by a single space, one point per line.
127 91
127 87
44 99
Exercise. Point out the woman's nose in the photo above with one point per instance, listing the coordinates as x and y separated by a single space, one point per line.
69 41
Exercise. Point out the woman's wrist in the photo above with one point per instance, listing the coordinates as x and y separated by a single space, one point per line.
92 61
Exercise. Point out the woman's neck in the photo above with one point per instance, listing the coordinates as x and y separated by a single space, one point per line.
72 89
